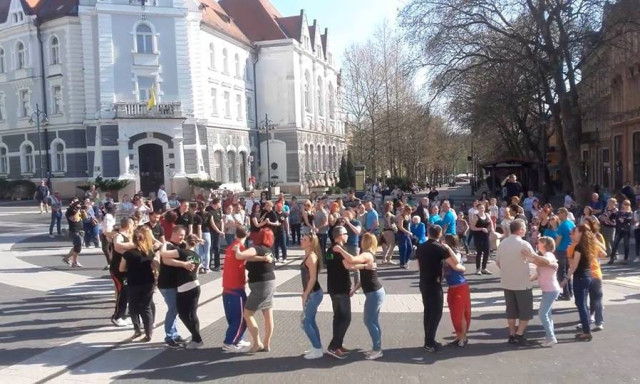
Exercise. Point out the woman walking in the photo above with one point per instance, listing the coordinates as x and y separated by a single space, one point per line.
624 222
585 251
259 263
187 261
374 291
607 219
312 293
547 265
75 233
596 309
295 220
106 229
458 296
403 237
308 217
137 263
481 226
389 229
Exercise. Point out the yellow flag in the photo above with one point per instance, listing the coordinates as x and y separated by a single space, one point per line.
152 99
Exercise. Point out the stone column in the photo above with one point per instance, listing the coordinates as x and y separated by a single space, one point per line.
123 144
178 156
97 154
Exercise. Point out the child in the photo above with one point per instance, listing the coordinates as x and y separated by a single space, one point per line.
458 297
494 211
462 228
547 265
419 232
534 234
502 213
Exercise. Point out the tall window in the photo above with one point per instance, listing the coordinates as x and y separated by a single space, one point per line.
144 87
227 105
217 166
144 39
618 164
312 159
606 168
2 69
249 108
21 59
307 92
247 69
636 158
55 51
25 103
3 111
58 158
56 100
214 101
236 60
320 98
332 102
225 61
212 56
27 158
4 160
231 163
239 106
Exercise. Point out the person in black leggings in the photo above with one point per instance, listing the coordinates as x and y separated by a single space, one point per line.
481 226
187 260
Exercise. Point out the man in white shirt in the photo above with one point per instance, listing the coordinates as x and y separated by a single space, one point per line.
162 196
514 279
248 203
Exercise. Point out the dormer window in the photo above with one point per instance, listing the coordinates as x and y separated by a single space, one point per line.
18 17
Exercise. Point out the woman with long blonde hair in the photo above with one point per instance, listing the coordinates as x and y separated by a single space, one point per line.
138 264
312 292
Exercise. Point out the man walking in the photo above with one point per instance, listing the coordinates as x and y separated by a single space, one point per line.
217 231
431 256
339 287
56 213
563 240
42 192
515 281
449 219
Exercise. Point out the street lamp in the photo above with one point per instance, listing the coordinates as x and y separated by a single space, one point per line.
39 117
267 126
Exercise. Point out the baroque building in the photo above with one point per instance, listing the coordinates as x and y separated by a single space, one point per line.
155 91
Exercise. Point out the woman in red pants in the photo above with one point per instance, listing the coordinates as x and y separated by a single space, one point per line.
458 297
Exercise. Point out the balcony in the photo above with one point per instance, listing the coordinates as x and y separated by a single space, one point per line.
626 116
146 59
133 110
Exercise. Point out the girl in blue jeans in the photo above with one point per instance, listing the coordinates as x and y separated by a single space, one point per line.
312 293
373 291
403 237
585 251
547 265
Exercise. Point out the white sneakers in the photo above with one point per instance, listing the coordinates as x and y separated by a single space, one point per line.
549 343
314 353
373 355
194 345
119 322
243 346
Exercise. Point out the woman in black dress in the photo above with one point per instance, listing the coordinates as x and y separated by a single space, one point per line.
481 225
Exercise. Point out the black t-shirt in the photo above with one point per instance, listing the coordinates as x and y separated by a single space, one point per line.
338 280
139 270
430 257
432 195
197 221
168 276
272 217
42 191
252 227
369 280
513 189
281 218
74 226
184 219
114 265
156 230
184 276
206 221
259 270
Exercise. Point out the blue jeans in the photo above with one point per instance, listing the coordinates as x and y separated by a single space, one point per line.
404 247
280 243
322 238
91 235
581 291
544 313
595 300
233 302
561 273
372 305
170 296
205 249
215 249
309 318
55 220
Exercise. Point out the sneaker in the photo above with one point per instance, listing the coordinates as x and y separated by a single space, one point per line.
230 348
146 339
579 327
51 236
374 355
216 269
486 272
346 350
592 319
512 340
462 343
66 260
174 344
598 327
106 268
337 353
392 262
521 340
478 272
636 260
243 343
119 322
549 343
430 348
76 265
194 345
128 321
314 354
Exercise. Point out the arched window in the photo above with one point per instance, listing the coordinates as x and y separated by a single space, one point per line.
312 159
27 158
307 91
4 159
324 158
144 39
332 102
58 157
21 59
212 56
306 157
2 68
231 163
320 98
217 166
225 61
236 60
54 51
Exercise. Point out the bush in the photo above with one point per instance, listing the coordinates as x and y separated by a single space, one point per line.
4 189
334 190
401 182
105 185
206 184
22 189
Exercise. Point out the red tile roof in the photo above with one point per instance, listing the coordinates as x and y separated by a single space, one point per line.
215 17
256 18
44 9
291 25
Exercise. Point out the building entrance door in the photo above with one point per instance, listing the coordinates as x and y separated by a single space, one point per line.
151 167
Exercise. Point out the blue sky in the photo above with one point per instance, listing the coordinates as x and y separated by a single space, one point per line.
348 21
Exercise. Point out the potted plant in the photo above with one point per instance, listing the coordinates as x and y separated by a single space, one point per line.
111 186
197 184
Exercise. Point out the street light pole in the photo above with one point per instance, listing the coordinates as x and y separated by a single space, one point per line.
267 127
37 116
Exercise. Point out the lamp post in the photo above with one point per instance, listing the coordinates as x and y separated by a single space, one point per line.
267 127
39 117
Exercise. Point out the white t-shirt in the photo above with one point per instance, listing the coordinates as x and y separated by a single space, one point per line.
493 210
162 196
568 201
472 212
514 269
107 223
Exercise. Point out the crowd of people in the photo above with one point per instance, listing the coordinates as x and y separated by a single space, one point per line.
165 242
